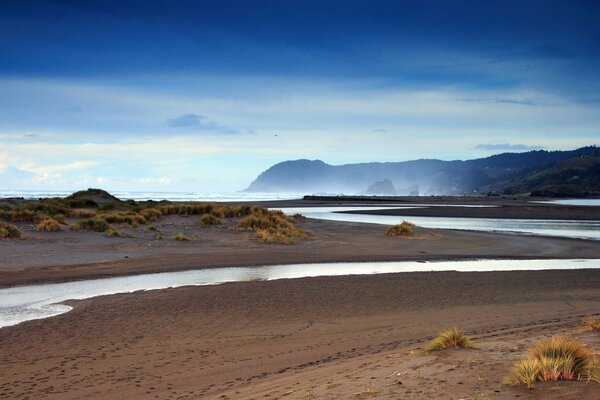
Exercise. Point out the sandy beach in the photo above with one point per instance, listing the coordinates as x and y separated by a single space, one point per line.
65 255
310 338
321 338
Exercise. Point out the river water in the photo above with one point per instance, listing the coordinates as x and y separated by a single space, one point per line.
24 303
562 228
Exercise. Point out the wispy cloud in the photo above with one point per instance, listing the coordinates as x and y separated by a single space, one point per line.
202 124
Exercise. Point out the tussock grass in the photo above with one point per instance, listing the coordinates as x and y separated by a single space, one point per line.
209 220
404 229
450 338
91 224
112 232
97 209
8 231
82 213
273 227
557 358
151 214
48 225
20 216
592 323
122 217
181 236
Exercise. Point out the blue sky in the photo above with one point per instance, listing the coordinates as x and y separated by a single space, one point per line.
203 96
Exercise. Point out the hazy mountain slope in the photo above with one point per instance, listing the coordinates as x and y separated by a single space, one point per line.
431 176
576 176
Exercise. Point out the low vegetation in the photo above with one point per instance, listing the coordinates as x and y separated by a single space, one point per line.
557 358
448 339
273 227
112 232
181 236
592 323
209 220
97 210
8 231
404 229
91 224
48 225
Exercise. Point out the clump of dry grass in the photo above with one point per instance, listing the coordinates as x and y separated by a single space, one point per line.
48 225
450 338
20 216
151 214
112 232
91 224
181 236
557 358
592 323
82 213
8 231
404 229
122 217
273 226
209 220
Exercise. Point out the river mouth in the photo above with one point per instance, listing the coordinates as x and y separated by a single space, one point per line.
25 303
577 229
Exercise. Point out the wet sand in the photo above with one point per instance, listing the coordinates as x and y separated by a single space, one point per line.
320 338
350 337
45 257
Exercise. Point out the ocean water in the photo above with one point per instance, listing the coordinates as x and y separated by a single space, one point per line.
173 196
24 303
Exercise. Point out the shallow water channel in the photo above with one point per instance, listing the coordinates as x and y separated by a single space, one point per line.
23 303
546 227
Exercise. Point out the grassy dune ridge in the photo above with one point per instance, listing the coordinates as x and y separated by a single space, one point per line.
97 210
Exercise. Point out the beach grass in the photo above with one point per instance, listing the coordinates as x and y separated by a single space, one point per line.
209 220
403 229
48 225
273 227
112 232
91 224
592 323
557 358
8 231
450 338
181 237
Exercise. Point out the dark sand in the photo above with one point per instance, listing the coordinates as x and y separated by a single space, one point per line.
321 338
349 337
43 256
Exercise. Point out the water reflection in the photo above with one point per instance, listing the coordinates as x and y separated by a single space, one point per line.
570 228
25 303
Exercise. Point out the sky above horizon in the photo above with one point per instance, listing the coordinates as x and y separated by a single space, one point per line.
204 95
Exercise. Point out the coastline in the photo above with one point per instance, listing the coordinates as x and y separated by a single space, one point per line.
347 336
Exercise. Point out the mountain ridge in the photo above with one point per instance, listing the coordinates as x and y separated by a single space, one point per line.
432 176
